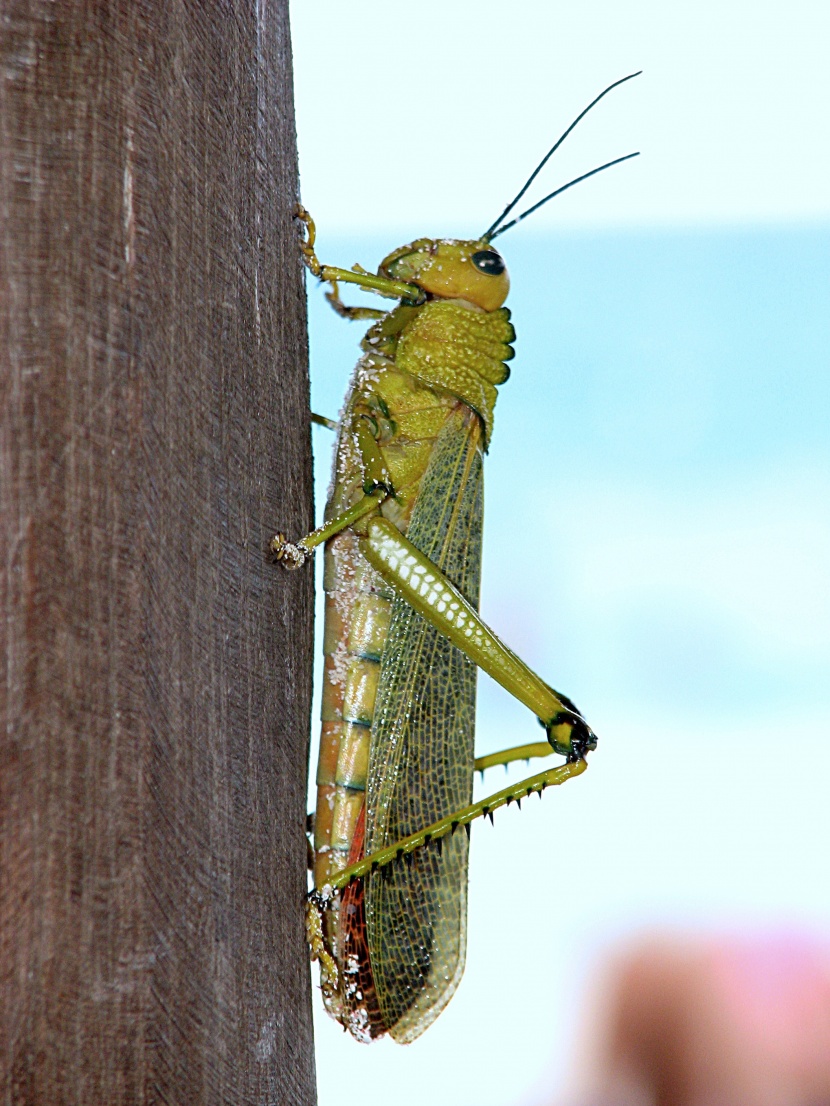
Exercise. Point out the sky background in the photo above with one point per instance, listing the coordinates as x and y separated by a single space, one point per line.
657 529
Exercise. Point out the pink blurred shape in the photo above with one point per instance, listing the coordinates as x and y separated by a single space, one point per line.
716 1021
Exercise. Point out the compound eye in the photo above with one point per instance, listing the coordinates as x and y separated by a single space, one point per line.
488 261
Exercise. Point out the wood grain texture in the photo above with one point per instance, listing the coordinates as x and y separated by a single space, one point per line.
153 434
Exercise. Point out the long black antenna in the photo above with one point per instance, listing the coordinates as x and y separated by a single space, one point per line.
550 196
491 231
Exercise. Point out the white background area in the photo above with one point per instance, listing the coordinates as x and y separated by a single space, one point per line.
657 529
429 115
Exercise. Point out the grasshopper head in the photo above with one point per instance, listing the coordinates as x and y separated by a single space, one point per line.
450 269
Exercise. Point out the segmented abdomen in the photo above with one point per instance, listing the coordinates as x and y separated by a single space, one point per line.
357 614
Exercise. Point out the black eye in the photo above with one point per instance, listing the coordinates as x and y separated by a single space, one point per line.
488 261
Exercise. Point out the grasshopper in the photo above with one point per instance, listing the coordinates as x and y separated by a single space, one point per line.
403 638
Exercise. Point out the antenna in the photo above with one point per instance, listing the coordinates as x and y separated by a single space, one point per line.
491 232
550 196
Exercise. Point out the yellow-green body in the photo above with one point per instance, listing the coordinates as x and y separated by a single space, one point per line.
426 386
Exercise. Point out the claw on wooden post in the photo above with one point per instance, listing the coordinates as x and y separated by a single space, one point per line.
288 554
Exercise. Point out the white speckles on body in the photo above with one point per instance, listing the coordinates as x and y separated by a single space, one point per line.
343 592
368 371
359 1025
339 664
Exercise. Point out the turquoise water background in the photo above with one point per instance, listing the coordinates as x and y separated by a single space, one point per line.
657 546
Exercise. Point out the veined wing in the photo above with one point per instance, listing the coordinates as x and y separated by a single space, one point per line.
421 761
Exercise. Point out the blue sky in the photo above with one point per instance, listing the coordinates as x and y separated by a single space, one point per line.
657 530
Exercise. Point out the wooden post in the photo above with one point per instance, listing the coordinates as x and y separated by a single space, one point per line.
153 434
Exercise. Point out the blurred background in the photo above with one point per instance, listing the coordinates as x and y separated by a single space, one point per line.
657 522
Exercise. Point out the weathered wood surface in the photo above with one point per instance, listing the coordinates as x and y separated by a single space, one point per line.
155 682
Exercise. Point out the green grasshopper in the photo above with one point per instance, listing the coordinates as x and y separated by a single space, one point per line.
403 638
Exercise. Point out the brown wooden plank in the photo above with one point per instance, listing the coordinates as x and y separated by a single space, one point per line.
155 684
